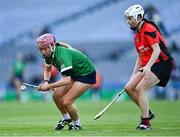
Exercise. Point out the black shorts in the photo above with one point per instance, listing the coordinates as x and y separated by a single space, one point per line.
163 71
90 78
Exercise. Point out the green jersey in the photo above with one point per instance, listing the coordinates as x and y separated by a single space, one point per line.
69 58
19 67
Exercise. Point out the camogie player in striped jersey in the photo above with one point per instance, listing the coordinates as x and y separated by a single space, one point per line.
153 65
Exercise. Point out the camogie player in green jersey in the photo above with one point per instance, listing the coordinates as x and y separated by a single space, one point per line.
78 75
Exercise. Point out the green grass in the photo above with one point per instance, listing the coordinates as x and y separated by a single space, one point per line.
39 119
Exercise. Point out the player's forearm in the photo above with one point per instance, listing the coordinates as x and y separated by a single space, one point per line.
62 82
47 73
154 56
47 76
136 68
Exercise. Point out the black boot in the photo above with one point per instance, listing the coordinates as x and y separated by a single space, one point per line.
62 123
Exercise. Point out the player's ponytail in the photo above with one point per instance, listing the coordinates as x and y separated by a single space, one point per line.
63 44
152 23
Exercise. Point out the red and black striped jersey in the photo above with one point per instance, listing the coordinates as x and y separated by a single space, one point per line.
144 40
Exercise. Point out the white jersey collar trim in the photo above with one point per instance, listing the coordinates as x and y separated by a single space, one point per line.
67 68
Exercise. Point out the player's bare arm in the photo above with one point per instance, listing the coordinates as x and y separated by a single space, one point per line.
154 57
47 76
64 81
47 72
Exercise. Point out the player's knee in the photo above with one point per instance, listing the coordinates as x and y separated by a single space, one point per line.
128 89
56 96
67 102
139 90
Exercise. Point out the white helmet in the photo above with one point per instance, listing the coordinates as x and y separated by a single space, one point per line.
134 11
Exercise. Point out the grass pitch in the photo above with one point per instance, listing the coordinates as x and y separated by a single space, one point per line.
39 119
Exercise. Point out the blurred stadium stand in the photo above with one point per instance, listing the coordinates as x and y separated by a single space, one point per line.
94 26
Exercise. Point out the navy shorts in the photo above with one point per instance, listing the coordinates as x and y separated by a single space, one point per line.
89 79
163 71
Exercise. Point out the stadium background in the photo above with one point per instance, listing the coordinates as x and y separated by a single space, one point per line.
95 27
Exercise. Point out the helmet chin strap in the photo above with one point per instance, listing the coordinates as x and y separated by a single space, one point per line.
52 48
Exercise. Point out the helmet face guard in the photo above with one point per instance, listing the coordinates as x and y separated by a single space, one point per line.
133 11
127 20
